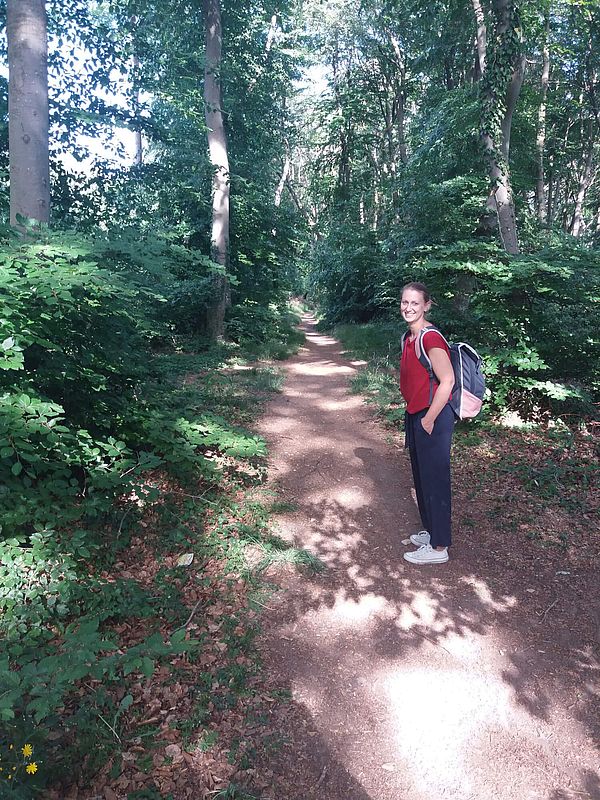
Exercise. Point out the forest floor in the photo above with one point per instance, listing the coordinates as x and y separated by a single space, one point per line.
476 680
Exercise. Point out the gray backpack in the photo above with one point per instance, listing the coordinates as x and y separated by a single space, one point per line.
469 381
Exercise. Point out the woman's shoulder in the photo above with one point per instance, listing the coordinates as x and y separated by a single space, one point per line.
431 338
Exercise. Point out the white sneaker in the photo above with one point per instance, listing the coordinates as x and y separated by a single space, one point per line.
427 555
420 538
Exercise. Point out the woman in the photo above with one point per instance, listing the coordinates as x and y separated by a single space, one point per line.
429 425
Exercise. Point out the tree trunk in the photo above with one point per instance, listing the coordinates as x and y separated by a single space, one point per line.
309 216
540 141
271 35
217 146
498 102
586 179
28 110
400 99
285 174
139 147
512 96
550 197
481 37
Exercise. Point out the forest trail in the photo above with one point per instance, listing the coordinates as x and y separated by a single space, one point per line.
406 682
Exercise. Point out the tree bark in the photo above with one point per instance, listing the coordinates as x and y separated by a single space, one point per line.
497 97
217 146
540 141
139 147
28 110
285 174
481 37
586 179
512 96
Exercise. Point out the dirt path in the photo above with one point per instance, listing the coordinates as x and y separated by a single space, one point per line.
407 683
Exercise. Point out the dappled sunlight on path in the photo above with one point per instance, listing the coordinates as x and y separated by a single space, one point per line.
418 681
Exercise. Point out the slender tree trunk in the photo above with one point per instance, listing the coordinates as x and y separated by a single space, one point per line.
285 174
373 160
540 141
400 100
586 179
596 238
448 75
217 146
28 110
311 216
498 101
512 96
481 37
401 125
550 197
271 34
139 150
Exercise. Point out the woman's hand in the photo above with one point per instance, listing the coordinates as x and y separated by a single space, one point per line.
442 368
427 424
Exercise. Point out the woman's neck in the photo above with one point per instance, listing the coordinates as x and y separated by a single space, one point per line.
417 326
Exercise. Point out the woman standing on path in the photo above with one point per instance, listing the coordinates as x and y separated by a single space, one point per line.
429 425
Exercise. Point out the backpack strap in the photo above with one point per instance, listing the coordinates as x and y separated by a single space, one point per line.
424 359
403 341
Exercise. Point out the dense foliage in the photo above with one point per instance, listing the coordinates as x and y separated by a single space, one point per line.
92 408
399 152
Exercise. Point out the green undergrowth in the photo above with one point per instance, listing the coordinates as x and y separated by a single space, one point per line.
378 346
124 444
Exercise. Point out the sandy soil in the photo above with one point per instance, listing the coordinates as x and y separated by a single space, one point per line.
406 682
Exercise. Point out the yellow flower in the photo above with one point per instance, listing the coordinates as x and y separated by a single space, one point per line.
31 768
27 750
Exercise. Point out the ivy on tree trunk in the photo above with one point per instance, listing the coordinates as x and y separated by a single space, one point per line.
500 89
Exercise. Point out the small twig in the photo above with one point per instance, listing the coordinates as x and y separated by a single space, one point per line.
110 727
123 520
437 644
194 496
321 777
262 605
310 471
543 616
189 619
148 721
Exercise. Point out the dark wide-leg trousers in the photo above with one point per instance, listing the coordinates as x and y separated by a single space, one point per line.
430 461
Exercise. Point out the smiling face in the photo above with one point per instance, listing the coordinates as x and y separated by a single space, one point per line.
413 306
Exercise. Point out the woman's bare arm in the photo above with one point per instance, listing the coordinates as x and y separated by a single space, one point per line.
442 369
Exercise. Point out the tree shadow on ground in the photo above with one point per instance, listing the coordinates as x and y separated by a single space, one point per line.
303 766
489 613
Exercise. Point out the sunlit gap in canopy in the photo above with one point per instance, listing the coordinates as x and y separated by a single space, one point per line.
113 143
